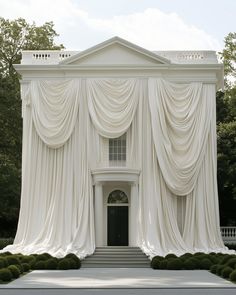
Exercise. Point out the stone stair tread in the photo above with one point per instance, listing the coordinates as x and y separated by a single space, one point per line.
117 256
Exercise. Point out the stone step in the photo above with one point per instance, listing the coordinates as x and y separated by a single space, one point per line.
118 256
120 253
115 266
116 259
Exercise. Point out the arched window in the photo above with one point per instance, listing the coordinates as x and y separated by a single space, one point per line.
117 197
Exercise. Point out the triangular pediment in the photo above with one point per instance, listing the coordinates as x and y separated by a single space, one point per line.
115 51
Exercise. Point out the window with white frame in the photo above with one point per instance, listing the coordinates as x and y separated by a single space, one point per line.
117 151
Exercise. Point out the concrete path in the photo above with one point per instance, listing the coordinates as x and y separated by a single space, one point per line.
118 281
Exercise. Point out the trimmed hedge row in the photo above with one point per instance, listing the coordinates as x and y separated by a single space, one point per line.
223 265
13 265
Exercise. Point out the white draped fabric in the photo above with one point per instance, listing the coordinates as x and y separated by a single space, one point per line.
171 138
55 109
112 104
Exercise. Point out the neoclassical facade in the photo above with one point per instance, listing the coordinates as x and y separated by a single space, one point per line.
119 148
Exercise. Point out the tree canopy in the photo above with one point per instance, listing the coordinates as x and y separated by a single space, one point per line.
15 36
226 135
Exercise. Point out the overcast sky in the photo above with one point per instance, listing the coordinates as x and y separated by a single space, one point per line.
152 24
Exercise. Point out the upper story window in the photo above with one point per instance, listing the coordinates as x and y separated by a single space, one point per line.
117 151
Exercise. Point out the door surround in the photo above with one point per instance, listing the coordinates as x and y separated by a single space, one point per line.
106 180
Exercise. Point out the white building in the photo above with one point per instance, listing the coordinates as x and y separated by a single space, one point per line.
119 148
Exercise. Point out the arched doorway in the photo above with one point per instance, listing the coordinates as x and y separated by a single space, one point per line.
117 219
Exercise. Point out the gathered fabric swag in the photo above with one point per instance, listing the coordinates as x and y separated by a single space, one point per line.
172 139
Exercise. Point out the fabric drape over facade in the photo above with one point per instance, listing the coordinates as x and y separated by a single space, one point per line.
112 104
55 109
171 138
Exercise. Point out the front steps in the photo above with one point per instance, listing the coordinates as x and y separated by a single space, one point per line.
117 256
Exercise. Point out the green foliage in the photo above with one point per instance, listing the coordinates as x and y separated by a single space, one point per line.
219 269
76 260
46 255
13 259
205 263
218 263
64 264
5 242
226 132
231 262
229 56
41 264
155 263
42 257
3 262
231 246
5 275
15 36
14 271
232 276
225 273
175 264
26 267
190 264
186 256
226 258
213 268
28 259
18 34
171 255
51 263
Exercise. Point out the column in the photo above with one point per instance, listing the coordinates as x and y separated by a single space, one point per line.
133 214
99 214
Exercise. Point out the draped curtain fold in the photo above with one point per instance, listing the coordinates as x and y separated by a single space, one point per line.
181 115
112 104
55 109
171 138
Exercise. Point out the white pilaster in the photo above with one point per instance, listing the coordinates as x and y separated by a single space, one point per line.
133 214
99 214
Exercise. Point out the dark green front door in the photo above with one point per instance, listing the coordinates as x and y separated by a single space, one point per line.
117 217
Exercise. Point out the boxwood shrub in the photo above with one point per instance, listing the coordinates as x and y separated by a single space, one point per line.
75 259
26 267
232 276
190 264
3 262
41 264
163 263
231 262
205 263
14 271
51 263
219 269
226 271
12 259
175 264
213 268
186 256
64 264
170 255
5 275
155 263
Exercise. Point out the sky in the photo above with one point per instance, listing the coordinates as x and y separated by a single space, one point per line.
152 24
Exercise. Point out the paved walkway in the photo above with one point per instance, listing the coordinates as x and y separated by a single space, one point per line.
118 281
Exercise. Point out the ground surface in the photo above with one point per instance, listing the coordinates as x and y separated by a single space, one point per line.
118 281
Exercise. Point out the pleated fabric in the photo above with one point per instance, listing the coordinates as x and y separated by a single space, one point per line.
171 138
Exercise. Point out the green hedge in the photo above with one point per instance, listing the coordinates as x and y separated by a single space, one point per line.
12 265
223 265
